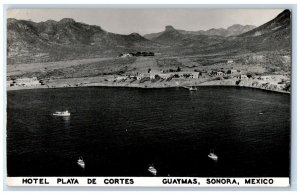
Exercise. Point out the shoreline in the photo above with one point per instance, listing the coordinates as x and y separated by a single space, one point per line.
147 86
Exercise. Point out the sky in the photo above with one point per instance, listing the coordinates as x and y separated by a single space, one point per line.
144 21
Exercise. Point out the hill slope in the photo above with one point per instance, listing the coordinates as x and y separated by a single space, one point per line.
274 35
50 41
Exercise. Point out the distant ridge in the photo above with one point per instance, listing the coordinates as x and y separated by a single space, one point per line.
273 35
233 30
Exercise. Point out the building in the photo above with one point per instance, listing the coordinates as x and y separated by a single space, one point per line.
264 78
243 76
192 75
119 78
153 73
27 82
232 71
125 55
220 74
164 76
9 83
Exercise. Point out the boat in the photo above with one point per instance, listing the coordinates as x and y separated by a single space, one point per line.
193 89
152 170
213 156
80 162
63 113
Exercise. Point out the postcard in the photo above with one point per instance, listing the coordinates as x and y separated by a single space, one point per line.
151 97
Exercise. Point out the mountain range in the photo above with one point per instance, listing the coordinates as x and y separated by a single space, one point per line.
52 40
28 41
233 30
273 35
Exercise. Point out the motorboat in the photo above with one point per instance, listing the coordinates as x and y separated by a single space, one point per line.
213 156
152 170
80 162
193 88
63 113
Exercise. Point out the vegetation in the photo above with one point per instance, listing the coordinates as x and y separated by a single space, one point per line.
145 79
168 62
115 66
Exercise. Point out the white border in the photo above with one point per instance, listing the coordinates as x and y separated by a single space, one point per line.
194 182
295 73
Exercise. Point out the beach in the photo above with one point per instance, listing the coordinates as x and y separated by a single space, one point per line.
109 81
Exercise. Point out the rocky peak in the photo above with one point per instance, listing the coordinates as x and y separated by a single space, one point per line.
169 28
135 34
67 20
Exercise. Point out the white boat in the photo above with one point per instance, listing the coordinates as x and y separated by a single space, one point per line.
63 113
152 170
193 89
80 162
213 156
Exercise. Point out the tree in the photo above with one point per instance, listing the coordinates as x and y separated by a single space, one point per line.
178 69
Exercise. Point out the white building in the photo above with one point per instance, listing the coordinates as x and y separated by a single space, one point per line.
27 82
164 76
220 74
232 71
264 78
9 83
192 75
119 78
125 55
243 76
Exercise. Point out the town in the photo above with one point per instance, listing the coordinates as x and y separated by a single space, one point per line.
161 78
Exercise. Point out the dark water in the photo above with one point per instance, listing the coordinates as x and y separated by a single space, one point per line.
174 129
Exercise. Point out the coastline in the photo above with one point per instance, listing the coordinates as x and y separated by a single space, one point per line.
67 83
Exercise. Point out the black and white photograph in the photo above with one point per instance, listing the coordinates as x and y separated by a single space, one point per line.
125 94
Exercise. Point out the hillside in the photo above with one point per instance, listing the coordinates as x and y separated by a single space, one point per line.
274 35
66 39
281 23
